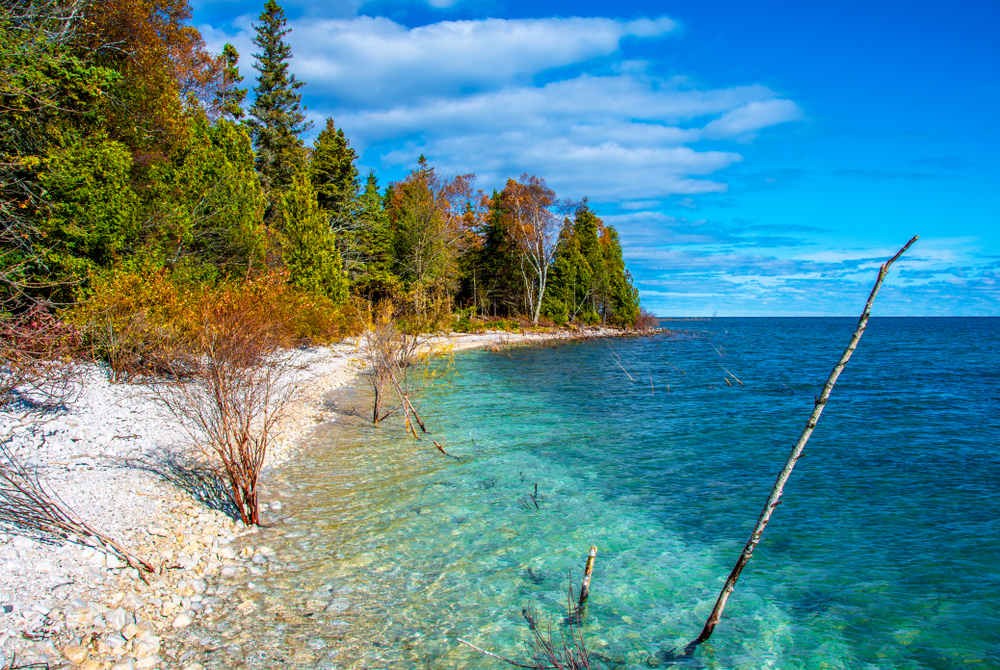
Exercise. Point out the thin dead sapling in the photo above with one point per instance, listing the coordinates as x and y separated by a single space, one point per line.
786 471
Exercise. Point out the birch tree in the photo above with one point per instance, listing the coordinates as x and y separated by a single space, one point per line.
535 229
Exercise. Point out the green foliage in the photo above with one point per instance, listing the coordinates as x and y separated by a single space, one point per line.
373 276
589 282
93 218
207 200
47 92
277 118
308 244
492 281
334 174
429 231
621 307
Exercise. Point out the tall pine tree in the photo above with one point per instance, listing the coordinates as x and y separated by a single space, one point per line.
277 117
374 278
308 245
335 178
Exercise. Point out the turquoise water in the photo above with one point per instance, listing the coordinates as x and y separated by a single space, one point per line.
883 554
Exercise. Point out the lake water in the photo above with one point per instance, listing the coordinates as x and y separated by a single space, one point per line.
885 552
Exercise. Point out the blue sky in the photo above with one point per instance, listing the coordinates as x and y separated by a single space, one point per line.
756 160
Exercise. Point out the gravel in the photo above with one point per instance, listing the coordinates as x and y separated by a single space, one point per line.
110 455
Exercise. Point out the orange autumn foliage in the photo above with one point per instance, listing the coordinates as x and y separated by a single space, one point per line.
163 64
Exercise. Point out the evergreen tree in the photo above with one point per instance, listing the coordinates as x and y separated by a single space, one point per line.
276 117
621 303
333 173
494 281
374 278
94 216
589 280
335 178
229 98
591 290
308 245
426 215
561 303
208 202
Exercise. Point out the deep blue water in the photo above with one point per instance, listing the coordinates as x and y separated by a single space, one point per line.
885 552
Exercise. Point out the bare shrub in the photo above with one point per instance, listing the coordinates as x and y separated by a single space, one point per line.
26 504
390 351
646 320
231 388
37 357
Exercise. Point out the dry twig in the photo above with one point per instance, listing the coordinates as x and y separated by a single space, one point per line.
390 353
37 358
26 504
568 653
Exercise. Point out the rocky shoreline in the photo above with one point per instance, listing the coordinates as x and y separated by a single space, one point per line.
116 458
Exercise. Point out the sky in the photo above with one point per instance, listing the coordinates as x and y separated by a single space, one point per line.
757 159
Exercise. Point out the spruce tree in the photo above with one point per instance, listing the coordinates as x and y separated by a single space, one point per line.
375 280
229 98
621 307
333 173
495 266
277 118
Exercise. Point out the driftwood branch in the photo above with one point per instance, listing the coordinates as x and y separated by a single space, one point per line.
496 656
441 449
27 504
775 498
390 352
588 570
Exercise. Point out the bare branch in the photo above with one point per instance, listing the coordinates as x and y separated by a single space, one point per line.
26 503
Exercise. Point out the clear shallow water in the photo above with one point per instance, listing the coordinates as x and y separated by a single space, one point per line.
883 553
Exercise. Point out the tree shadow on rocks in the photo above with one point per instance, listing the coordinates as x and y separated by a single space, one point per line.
197 478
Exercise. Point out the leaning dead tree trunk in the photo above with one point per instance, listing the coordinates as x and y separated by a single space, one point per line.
786 471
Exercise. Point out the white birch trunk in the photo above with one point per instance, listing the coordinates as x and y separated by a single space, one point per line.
786 471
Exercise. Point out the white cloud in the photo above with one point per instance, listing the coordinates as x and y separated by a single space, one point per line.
465 94
745 121
376 62
611 138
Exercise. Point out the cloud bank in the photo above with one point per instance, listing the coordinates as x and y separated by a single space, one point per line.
486 96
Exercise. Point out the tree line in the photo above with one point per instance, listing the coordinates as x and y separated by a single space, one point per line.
126 147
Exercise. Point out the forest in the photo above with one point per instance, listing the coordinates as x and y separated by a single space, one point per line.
142 177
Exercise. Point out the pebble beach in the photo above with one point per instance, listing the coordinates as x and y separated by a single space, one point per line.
116 457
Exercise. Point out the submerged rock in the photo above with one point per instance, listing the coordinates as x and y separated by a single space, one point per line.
338 605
